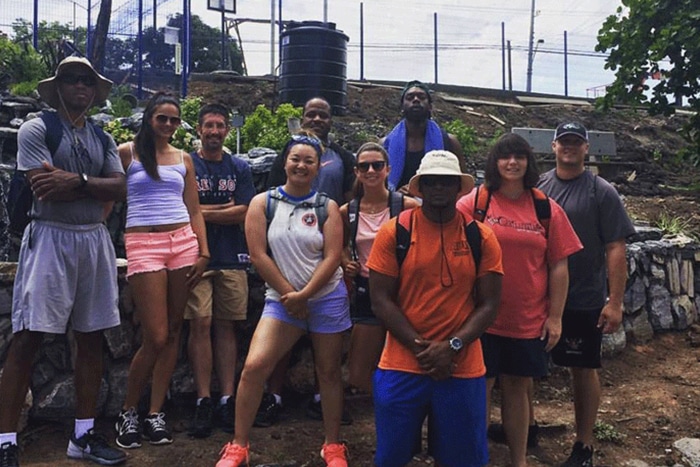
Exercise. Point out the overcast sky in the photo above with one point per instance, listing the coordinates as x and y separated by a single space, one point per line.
399 36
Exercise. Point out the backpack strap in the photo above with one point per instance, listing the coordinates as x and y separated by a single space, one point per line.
474 239
395 203
54 130
353 220
272 199
542 208
321 208
404 225
481 202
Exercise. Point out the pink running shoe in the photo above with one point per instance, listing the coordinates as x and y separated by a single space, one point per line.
335 455
233 455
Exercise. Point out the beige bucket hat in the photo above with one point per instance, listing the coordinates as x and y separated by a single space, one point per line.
440 162
48 88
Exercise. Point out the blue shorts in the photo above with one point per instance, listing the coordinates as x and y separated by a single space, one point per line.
329 314
514 357
581 339
457 408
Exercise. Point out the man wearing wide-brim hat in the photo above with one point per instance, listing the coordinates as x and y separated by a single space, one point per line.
67 269
435 303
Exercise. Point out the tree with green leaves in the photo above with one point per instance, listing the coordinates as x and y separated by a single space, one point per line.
659 39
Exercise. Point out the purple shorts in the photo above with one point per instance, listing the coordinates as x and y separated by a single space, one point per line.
155 251
329 314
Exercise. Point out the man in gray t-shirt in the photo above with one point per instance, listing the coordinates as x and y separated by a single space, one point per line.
67 267
597 275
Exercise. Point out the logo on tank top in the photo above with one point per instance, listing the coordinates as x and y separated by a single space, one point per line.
309 219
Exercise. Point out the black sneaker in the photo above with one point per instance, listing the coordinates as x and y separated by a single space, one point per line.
95 448
315 412
268 412
9 455
225 415
201 425
497 434
128 429
155 430
581 456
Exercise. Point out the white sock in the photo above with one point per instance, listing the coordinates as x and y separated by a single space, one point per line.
8 438
317 397
278 399
199 400
224 399
82 426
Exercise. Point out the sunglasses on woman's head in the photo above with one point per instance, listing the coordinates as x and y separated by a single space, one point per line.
376 165
163 119
70 78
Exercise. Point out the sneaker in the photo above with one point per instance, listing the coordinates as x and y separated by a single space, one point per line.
269 411
95 448
155 430
497 434
201 424
225 415
581 456
315 412
128 429
335 455
233 455
9 455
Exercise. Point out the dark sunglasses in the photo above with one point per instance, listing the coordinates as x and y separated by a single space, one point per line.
163 119
444 180
376 165
69 78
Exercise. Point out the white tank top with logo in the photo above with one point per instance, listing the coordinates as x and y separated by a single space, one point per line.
296 244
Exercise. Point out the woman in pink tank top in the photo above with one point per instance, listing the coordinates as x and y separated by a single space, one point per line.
373 197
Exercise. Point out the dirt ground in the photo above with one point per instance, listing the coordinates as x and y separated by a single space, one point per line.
651 392
651 398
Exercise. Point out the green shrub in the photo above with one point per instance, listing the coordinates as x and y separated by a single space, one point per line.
119 133
263 128
189 109
466 135
606 432
121 108
25 88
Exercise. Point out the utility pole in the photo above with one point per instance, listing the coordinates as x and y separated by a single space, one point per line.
530 54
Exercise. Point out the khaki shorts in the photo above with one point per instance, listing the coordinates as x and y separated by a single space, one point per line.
220 294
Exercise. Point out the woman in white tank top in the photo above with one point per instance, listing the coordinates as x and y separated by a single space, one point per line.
300 261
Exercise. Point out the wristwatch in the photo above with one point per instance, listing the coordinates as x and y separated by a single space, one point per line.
456 344
83 180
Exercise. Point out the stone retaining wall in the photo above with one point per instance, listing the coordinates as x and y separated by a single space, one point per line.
660 297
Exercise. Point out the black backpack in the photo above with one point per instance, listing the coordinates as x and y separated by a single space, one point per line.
404 227
395 207
19 196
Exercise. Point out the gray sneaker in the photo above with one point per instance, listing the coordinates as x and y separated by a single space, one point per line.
95 448
128 429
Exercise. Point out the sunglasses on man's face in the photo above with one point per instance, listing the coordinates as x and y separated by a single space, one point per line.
163 119
435 180
376 165
70 78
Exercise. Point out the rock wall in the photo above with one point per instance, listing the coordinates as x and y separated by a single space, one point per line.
660 297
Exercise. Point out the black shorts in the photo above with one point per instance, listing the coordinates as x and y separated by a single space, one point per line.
515 357
360 305
581 339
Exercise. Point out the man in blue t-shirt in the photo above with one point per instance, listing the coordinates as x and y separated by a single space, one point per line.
225 186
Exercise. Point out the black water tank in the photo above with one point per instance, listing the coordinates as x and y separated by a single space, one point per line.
314 63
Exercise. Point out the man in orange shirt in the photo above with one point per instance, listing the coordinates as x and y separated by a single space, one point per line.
435 305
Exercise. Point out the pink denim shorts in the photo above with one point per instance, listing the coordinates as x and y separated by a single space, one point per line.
155 251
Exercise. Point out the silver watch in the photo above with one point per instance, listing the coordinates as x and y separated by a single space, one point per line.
456 344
